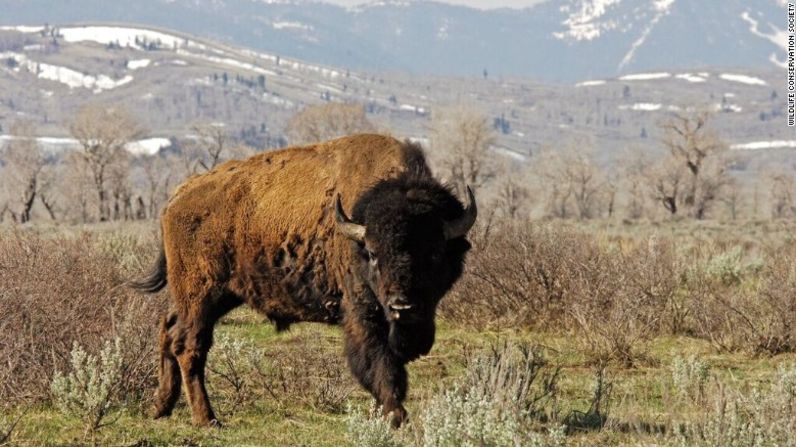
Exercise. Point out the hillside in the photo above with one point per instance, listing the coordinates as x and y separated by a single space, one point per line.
172 80
558 41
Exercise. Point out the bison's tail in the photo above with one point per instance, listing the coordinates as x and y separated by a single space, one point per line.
155 280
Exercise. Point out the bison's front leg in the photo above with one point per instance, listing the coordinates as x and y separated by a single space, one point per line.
375 366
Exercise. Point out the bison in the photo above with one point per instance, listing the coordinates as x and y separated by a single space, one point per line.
273 232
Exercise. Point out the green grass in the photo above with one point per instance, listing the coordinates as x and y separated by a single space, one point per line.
640 399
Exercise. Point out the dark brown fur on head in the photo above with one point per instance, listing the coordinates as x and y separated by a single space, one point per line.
406 256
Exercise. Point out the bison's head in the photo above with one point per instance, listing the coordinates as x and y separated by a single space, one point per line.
410 245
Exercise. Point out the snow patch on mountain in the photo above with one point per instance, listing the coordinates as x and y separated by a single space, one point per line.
662 8
291 25
759 145
641 106
75 79
584 22
691 77
125 37
138 63
778 37
149 146
743 79
644 76
228 62
23 28
590 83
67 76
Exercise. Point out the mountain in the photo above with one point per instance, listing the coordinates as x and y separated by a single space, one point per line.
172 80
558 40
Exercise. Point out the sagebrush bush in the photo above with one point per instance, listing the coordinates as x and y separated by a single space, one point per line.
369 430
617 292
233 361
729 266
506 398
757 315
762 417
292 372
62 289
690 376
554 278
88 390
299 373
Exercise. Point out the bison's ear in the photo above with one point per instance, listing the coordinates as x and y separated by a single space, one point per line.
350 229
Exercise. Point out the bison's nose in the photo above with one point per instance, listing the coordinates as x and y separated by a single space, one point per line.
398 304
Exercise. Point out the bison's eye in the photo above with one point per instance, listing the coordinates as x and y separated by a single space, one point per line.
372 259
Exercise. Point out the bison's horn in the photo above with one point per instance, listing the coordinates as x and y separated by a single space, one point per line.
346 226
460 227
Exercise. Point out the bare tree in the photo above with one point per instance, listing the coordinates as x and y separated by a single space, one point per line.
782 186
211 142
76 188
211 146
460 142
327 121
732 198
666 179
633 177
572 177
693 145
102 133
26 172
120 189
513 193
158 178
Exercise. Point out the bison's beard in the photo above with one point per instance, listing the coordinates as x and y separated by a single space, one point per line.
410 341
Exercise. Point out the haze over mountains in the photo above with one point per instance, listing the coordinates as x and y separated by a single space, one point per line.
557 40
172 80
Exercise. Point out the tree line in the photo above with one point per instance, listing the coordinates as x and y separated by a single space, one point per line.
104 181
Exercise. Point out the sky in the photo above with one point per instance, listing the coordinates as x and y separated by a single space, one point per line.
481 4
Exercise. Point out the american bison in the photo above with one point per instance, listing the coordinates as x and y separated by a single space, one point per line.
272 231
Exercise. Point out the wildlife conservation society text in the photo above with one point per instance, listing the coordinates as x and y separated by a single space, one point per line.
791 64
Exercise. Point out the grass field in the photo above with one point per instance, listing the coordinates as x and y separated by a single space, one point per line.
292 388
640 402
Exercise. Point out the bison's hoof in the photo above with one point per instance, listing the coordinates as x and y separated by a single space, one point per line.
209 423
159 412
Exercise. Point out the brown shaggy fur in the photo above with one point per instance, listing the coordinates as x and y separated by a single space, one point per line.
262 232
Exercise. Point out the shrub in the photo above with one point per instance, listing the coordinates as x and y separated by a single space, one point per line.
369 430
88 391
7 426
296 371
689 376
59 290
505 398
760 417
729 268
554 278
234 361
517 276
597 414
758 315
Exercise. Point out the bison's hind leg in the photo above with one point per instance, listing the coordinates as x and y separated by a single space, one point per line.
191 346
169 379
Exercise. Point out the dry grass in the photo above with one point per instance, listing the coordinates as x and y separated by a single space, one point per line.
59 290
615 293
624 301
